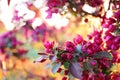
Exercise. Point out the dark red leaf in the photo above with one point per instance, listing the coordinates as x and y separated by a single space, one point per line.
42 58
42 53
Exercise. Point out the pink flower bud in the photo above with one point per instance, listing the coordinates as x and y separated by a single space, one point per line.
80 59
48 50
89 51
105 25
64 55
86 20
93 63
48 44
117 39
66 72
111 28
59 70
114 46
69 56
70 46
78 39
64 78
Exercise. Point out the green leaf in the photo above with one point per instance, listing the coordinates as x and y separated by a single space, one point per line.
66 64
88 66
71 77
56 67
100 55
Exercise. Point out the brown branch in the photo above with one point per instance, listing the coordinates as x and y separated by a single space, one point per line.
109 4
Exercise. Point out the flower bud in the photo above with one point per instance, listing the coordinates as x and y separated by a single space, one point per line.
78 39
69 56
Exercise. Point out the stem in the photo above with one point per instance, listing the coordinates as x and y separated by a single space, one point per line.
109 5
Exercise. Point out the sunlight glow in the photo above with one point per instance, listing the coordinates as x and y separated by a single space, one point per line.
57 20
36 22
39 3
88 8
109 13
23 10
6 15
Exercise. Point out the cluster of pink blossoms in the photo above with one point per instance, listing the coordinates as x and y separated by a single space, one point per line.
88 59
112 37
85 60
9 41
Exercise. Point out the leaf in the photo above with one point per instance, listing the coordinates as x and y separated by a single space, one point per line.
48 66
42 58
42 53
66 64
56 67
70 76
100 55
88 66
78 48
53 58
76 70
55 52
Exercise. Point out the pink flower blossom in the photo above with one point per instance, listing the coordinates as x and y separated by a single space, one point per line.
78 39
49 44
70 47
